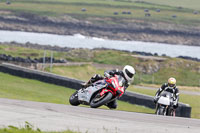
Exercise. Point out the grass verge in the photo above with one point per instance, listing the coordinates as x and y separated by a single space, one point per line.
148 71
85 72
25 89
26 52
28 128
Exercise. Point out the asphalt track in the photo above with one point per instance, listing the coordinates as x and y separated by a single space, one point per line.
58 117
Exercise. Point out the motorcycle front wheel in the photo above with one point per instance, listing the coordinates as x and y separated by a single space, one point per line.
98 100
171 112
160 110
73 100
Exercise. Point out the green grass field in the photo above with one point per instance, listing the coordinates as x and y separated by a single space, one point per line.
85 72
25 89
26 52
106 8
185 77
190 4
185 71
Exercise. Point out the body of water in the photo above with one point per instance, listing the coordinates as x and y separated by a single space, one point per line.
80 41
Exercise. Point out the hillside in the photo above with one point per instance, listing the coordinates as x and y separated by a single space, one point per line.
150 69
120 20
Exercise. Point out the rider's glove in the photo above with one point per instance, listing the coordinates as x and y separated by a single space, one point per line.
155 99
175 103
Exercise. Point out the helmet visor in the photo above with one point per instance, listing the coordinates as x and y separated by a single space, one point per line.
129 74
171 85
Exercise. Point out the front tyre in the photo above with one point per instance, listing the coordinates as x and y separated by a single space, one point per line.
73 100
171 112
160 111
98 100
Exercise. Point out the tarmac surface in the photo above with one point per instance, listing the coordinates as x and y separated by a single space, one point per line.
59 117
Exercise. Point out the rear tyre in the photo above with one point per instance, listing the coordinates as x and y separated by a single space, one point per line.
73 100
98 100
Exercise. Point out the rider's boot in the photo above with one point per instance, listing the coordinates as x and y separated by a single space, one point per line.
86 84
112 104
95 78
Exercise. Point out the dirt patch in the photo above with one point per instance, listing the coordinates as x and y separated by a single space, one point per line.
29 54
10 49
150 58
5 12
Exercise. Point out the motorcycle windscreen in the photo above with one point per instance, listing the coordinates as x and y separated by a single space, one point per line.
87 93
121 81
164 100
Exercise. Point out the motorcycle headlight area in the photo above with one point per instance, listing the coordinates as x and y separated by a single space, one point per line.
113 84
164 100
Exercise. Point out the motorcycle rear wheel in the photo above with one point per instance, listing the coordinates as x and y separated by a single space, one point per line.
73 100
104 100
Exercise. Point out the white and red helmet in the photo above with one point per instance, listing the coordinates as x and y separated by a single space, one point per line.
129 73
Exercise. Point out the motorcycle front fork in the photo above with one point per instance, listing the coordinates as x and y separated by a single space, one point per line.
156 108
167 110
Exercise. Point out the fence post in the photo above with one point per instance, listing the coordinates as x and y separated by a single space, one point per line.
51 61
44 60
140 77
199 82
153 79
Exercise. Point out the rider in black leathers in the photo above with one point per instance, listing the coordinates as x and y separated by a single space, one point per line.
169 87
127 73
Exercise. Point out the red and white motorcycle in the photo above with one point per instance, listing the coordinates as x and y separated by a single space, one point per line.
99 93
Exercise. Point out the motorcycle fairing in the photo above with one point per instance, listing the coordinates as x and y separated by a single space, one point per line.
164 100
105 91
86 94
116 83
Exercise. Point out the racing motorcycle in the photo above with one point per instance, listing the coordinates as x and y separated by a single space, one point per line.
165 104
99 93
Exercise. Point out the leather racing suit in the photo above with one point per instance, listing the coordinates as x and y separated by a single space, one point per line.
108 74
174 91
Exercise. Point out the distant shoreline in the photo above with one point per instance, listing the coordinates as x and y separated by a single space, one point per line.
127 32
66 49
81 41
